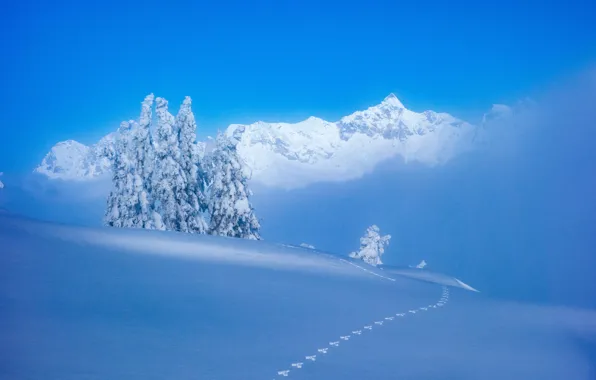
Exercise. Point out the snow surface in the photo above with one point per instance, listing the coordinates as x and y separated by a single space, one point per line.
426 275
294 155
100 303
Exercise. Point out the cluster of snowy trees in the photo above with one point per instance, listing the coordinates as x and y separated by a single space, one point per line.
372 246
163 179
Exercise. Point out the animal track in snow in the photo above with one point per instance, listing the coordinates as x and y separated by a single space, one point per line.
313 358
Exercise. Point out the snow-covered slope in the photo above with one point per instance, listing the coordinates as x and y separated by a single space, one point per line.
294 155
71 160
99 303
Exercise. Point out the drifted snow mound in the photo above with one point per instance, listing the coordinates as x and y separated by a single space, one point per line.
294 155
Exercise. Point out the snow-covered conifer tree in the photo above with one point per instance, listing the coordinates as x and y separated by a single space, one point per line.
120 206
143 155
169 182
195 203
132 156
372 246
229 206
1 184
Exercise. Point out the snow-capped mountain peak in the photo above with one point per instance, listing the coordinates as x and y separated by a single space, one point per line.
64 160
71 160
392 101
391 120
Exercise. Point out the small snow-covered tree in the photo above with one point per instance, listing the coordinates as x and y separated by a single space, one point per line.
169 182
120 205
194 201
230 210
372 246
1 184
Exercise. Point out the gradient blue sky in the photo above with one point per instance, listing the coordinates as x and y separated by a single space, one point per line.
74 69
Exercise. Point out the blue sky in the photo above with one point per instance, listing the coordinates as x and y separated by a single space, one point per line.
75 69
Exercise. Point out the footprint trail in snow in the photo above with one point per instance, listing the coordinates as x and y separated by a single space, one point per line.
354 333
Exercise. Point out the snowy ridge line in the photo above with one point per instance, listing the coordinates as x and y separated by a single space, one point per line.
204 248
354 333
367 270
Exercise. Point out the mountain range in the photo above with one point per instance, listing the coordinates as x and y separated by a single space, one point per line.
294 155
